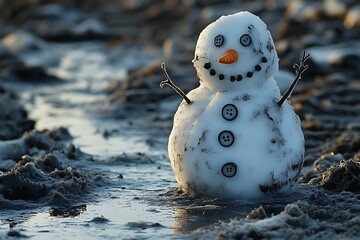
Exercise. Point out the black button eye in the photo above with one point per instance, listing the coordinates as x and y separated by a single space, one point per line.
245 40
219 40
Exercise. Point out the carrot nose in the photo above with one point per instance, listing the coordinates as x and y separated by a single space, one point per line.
229 57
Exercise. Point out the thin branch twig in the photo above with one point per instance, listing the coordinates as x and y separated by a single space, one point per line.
299 69
172 85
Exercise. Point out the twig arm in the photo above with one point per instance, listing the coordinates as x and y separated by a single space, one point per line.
299 70
172 85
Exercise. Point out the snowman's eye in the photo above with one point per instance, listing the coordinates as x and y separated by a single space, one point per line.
245 40
219 40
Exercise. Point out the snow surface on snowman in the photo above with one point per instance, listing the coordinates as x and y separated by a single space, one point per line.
234 140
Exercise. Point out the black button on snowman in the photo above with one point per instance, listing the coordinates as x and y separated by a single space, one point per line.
229 169
222 142
226 138
229 112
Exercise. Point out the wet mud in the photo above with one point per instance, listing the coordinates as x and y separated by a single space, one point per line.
84 124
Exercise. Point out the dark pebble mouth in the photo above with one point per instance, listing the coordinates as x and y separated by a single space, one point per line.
235 78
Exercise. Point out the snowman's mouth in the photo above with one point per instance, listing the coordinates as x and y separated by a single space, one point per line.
233 78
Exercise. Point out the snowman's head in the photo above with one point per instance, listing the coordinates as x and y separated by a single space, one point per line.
235 51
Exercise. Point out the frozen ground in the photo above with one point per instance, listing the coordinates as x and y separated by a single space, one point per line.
101 170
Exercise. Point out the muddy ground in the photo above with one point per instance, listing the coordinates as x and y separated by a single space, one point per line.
84 124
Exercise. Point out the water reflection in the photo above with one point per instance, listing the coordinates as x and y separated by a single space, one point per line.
187 219
193 214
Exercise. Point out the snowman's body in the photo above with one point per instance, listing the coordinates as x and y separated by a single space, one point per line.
234 141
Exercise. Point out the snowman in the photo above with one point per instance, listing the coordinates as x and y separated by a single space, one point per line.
235 136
